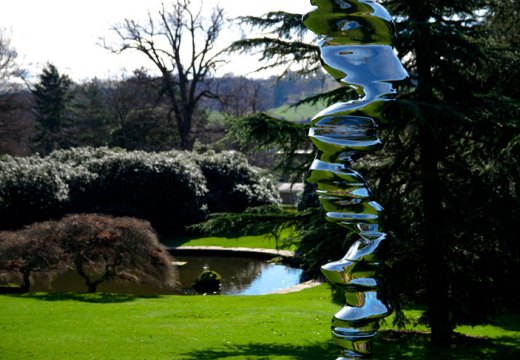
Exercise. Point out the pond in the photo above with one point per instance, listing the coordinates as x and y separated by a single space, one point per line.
240 276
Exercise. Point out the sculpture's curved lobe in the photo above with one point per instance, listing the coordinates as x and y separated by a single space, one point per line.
356 48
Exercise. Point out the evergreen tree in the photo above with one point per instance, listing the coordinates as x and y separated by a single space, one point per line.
448 175
52 99
93 120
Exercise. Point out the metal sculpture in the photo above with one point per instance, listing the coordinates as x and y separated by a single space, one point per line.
356 49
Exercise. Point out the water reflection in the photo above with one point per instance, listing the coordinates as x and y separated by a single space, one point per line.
240 276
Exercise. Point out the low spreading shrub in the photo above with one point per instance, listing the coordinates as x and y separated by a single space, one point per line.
100 248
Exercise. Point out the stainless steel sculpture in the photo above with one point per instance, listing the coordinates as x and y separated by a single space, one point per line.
356 49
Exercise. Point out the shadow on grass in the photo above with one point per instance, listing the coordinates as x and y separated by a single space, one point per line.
97 298
413 345
325 350
390 345
509 321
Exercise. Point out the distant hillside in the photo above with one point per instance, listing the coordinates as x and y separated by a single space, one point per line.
271 93
302 113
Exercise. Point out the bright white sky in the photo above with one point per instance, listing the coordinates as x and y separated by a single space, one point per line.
66 32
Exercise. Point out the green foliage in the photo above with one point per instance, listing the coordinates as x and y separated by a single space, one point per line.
230 177
264 132
92 119
448 176
166 188
145 129
170 189
209 282
276 46
253 221
52 100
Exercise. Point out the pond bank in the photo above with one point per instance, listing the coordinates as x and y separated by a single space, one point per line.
257 253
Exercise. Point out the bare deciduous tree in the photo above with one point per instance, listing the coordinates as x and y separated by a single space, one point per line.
180 43
239 96
16 123
8 67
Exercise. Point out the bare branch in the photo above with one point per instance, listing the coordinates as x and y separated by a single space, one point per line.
180 43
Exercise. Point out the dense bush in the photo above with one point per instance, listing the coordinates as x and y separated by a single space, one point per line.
165 188
100 248
233 184
208 282
33 189
170 189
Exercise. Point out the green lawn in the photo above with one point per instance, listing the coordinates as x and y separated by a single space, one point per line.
290 326
300 113
260 241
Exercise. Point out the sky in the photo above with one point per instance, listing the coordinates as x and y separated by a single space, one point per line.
67 32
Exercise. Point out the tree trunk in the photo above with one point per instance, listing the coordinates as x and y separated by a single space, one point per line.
26 281
92 287
435 248
186 139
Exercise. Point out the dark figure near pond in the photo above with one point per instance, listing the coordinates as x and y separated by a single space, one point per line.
356 48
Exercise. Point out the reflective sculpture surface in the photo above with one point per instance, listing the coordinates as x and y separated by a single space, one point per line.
356 49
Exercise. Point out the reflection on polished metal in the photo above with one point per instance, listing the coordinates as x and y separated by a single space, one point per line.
356 48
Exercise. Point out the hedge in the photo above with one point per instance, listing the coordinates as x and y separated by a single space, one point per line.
170 189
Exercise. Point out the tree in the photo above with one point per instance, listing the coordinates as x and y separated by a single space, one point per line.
8 66
16 123
33 249
100 248
240 96
92 120
180 44
440 161
281 45
103 248
52 98
15 120
445 46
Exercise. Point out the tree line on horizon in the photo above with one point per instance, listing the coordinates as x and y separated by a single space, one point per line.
130 113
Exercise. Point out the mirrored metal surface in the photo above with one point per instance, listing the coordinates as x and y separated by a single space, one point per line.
356 49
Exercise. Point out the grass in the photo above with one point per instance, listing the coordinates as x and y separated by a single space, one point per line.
300 113
259 241
291 326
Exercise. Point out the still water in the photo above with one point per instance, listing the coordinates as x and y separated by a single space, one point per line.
240 276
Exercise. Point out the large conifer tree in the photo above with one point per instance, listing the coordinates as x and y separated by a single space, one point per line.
447 175
52 98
